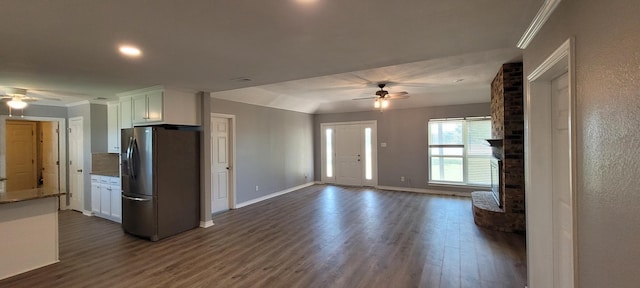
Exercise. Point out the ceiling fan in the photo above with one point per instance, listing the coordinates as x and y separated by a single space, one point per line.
381 100
18 98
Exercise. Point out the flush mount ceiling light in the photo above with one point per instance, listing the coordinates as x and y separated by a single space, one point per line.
130 51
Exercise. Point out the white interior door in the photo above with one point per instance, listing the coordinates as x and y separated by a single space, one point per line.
50 154
76 159
220 164
562 204
349 154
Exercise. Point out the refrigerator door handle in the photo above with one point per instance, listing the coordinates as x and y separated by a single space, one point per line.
133 158
129 151
136 198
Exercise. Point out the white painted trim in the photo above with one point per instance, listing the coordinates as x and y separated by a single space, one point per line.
233 146
266 197
425 191
88 213
536 25
538 201
206 224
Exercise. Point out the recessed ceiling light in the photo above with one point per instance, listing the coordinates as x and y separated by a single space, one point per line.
306 1
130 51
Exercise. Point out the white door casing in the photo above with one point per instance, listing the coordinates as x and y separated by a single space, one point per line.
76 164
550 171
219 164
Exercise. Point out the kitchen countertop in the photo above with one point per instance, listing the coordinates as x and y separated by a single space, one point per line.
29 194
106 173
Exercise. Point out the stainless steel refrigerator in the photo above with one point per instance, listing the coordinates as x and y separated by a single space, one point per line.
160 180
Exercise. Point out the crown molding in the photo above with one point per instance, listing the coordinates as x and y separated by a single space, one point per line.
78 103
536 25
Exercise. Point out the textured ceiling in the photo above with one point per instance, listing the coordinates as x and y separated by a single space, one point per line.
69 48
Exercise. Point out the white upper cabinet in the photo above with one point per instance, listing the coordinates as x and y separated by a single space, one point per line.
162 105
113 127
125 112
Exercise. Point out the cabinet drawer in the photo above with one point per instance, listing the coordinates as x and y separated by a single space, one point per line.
95 179
114 181
104 180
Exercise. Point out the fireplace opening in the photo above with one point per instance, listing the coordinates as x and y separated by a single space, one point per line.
496 171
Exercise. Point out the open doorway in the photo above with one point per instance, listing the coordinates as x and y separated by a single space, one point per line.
31 151
32 159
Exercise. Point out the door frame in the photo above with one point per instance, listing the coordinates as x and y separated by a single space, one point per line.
538 165
62 154
374 150
82 188
232 160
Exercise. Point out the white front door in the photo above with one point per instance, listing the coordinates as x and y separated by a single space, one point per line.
220 164
349 144
50 154
562 204
76 159
349 153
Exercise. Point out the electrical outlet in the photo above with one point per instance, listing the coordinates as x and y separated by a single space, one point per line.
305 176
401 178
257 188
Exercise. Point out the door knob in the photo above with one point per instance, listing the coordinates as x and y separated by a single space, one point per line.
3 179
79 170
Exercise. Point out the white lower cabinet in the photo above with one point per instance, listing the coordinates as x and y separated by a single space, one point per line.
106 201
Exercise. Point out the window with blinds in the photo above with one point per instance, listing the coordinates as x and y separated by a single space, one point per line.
458 152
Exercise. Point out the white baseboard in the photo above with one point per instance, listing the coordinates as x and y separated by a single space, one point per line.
87 213
247 203
206 224
425 191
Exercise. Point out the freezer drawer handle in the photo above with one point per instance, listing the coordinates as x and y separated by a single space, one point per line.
135 198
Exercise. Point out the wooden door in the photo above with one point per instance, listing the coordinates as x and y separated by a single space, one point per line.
21 155
219 164
50 155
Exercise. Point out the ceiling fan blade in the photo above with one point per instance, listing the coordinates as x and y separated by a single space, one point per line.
398 97
398 93
365 98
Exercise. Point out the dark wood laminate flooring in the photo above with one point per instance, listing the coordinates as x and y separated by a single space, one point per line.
319 236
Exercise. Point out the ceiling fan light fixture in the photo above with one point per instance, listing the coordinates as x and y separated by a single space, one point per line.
376 104
17 103
385 103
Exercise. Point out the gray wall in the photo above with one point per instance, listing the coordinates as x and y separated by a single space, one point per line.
607 50
99 128
405 132
36 111
274 148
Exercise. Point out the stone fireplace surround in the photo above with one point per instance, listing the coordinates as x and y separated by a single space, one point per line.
507 115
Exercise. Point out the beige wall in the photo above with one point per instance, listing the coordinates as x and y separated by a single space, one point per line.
607 47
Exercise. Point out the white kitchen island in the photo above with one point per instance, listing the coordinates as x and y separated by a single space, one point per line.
28 230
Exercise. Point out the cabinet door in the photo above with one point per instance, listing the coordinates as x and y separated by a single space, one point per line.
125 112
113 129
95 198
116 203
154 106
139 109
105 200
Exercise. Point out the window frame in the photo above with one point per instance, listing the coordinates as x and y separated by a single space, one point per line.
465 155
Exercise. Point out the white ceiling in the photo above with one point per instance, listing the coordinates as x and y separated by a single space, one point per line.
68 49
